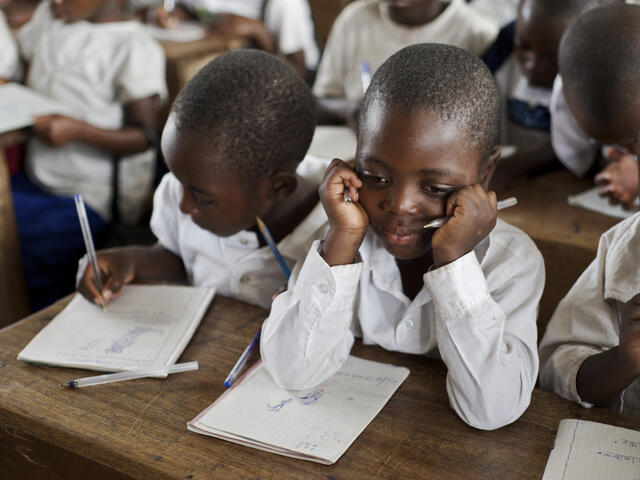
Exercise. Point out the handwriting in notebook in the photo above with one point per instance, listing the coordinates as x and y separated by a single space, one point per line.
586 450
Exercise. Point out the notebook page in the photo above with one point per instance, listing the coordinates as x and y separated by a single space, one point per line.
593 451
315 424
147 326
19 104
590 200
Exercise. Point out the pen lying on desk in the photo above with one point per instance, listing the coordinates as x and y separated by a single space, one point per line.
438 222
131 375
244 357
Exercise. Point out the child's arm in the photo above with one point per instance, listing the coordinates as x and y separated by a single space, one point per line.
131 138
307 336
120 266
485 314
604 376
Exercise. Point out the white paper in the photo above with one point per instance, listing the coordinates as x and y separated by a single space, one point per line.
182 33
593 451
590 200
318 424
19 104
333 142
148 326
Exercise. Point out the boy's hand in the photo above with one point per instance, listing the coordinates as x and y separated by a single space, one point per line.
169 20
473 215
619 180
347 222
629 347
57 129
116 270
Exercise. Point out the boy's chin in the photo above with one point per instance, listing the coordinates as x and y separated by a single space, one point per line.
407 252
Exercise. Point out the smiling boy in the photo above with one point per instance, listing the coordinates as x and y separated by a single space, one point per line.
467 292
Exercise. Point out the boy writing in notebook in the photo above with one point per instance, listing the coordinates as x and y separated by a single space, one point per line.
233 142
594 98
590 352
467 292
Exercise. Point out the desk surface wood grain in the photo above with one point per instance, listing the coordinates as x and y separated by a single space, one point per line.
137 429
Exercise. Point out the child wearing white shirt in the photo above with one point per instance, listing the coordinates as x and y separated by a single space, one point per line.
598 73
228 165
467 292
107 69
9 58
590 352
372 30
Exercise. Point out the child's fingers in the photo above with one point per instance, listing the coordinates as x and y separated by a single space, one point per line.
87 287
603 177
112 287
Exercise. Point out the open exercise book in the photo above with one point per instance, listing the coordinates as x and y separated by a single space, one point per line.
590 200
318 424
19 104
146 326
593 451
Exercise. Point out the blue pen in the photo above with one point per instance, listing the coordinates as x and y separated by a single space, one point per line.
244 357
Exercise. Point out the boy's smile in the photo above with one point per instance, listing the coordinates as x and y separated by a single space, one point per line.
409 163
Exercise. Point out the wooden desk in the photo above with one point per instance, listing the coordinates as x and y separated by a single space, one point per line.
184 59
567 236
13 291
137 429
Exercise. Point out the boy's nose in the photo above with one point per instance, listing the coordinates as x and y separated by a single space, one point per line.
402 201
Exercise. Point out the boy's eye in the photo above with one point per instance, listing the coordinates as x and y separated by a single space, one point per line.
372 179
201 200
436 191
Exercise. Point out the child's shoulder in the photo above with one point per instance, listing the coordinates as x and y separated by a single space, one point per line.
619 254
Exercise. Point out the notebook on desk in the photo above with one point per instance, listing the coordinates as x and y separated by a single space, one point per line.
593 451
146 326
317 424
590 200
19 104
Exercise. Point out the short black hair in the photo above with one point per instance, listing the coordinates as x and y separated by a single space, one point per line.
256 111
599 61
446 80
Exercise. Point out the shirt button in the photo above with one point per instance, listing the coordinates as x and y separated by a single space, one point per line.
323 288
244 241
245 279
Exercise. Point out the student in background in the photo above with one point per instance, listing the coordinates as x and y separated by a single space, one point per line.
524 60
9 58
228 165
110 72
282 27
590 352
593 101
372 30
467 293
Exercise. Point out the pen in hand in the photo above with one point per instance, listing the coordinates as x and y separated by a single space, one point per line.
439 222
88 243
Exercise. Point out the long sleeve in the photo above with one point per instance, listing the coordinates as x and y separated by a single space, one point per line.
307 337
487 338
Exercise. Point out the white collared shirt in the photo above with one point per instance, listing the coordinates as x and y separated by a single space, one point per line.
364 31
587 320
236 266
10 68
478 313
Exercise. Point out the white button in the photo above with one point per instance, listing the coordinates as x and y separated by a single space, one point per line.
245 279
323 288
244 241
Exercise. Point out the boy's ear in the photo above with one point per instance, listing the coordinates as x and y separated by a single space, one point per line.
488 167
283 184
